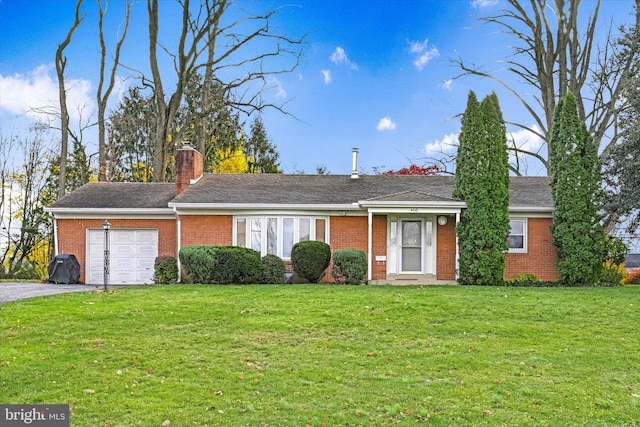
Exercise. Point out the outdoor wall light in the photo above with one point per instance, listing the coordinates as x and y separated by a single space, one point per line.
442 220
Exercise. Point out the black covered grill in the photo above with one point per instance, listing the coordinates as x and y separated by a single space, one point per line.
64 268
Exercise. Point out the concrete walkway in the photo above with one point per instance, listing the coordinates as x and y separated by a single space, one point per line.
18 291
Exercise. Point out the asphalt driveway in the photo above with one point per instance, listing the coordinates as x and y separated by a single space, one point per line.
18 291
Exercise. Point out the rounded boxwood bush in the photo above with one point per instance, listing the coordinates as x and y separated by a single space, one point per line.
198 262
233 264
350 266
310 259
273 270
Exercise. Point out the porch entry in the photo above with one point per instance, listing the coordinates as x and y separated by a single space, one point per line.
410 249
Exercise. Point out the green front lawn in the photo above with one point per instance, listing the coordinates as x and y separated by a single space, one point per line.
328 355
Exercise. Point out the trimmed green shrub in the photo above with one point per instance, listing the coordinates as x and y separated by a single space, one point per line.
349 266
198 262
233 264
310 259
165 270
273 270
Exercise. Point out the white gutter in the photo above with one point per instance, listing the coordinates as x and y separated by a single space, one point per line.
111 212
257 206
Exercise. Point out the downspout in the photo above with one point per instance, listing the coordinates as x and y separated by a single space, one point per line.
457 249
179 242
369 246
55 235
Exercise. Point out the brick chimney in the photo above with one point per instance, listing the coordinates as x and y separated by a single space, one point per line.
189 167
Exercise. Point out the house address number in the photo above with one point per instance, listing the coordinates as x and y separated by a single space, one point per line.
414 209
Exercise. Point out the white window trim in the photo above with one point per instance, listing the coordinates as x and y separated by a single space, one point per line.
525 240
280 230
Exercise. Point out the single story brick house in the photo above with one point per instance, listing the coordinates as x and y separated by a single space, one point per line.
405 224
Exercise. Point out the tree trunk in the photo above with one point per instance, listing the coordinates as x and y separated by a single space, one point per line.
61 62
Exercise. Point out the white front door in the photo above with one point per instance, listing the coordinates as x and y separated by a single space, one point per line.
410 247
132 254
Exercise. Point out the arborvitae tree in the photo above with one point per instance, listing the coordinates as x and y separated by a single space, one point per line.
575 187
482 181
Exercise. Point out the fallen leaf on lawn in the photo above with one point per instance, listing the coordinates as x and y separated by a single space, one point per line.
119 372
371 354
218 393
358 413
487 412
89 391
241 378
165 423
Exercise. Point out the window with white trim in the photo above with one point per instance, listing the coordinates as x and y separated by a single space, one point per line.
517 237
273 234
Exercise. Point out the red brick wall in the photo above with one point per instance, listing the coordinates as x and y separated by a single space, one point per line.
351 232
379 246
446 250
540 258
207 230
72 235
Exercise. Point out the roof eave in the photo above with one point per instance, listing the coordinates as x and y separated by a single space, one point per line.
264 206
109 212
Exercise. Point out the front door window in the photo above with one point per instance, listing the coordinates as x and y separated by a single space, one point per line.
411 246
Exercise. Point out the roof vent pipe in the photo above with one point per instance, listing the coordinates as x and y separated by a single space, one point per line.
354 171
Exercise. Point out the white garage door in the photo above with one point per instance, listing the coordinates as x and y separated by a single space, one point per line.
132 254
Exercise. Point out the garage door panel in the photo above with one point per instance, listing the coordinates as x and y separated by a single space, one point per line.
148 251
123 264
122 250
122 236
122 278
145 263
147 236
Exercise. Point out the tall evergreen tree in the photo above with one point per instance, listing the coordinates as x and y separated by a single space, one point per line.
482 181
575 188
263 154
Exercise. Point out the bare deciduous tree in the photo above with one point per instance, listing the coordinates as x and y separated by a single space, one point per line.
207 42
554 56
101 97
61 63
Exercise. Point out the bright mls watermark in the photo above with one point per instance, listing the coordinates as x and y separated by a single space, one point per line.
34 415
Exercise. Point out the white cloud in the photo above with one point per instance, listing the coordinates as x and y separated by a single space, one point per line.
526 140
326 76
339 57
447 84
448 144
386 123
277 85
477 4
424 54
37 92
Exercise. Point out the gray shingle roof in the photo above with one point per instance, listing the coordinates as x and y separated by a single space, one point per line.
279 189
119 195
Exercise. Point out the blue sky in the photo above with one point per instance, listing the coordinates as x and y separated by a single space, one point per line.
374 74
